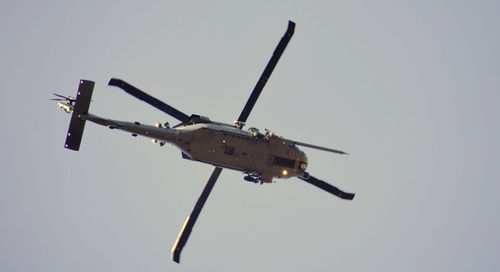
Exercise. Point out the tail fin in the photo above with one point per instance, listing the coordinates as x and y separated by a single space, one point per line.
77 124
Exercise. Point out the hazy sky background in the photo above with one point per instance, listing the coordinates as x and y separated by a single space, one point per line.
409 88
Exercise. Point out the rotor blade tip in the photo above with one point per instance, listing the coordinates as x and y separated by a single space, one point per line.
291 26
114 81
176 257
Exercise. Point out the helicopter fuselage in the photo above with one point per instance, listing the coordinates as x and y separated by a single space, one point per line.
261 157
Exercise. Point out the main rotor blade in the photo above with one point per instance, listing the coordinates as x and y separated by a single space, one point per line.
327 187
316 147
267 72
149 99
191 220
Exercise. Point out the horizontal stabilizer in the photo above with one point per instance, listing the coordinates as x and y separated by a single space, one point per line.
77 124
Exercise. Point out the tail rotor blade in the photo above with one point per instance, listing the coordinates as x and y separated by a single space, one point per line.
61 96
191 220
149 99
327 187
267 72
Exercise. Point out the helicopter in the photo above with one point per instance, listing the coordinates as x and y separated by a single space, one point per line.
261 157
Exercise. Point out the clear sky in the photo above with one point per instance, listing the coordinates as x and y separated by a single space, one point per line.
409 88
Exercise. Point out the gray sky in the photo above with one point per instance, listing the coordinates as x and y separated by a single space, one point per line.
409 88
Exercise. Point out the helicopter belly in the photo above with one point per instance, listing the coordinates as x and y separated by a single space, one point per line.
227 150
242 153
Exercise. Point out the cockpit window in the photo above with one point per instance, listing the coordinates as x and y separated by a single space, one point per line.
283 162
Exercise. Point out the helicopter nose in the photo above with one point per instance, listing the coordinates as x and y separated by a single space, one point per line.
303 161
